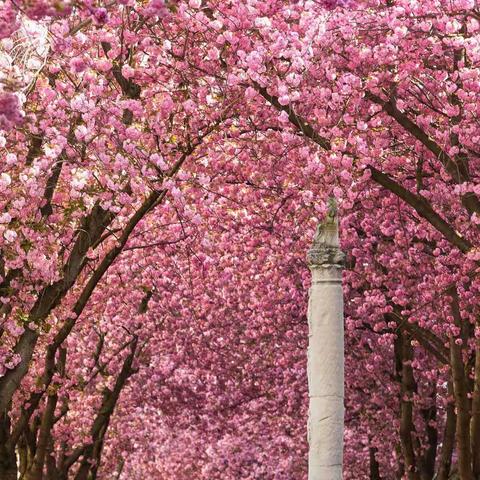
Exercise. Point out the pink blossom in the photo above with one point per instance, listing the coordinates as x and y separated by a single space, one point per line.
8 19
9 110
127 71
78 64
5 217
5 180
103 65
10 235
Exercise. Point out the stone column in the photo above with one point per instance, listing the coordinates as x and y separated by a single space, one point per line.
326 353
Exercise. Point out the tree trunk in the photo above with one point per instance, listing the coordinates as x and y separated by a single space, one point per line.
36 471
463 416
404 354
428 459
475 421
448 443
8 460
8 469
374 466
461 391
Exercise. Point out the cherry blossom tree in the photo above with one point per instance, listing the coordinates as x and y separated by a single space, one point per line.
164 166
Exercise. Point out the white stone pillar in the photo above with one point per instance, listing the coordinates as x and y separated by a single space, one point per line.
326 353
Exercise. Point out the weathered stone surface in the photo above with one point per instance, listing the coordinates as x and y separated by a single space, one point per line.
326 438
326 353
325 349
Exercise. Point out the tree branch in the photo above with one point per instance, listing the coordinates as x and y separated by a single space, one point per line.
91 229
457 168
422 207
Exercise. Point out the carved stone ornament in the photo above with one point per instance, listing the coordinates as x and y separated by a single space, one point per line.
325 257
325 250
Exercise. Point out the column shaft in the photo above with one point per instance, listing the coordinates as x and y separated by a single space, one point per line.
326 375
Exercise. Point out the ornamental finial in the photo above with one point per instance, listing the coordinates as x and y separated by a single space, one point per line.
327 231
325 248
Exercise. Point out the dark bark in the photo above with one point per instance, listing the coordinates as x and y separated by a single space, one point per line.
448 443
8 461
427 339
23 458
475 421
410 126
399 473
404 357
463 417
461 391
44 439
51 185
35 148
52 181
374 465
120 467
429 457
295 119
36 470
129 88
52 472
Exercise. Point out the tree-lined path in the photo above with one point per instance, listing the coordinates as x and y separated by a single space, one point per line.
164 165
